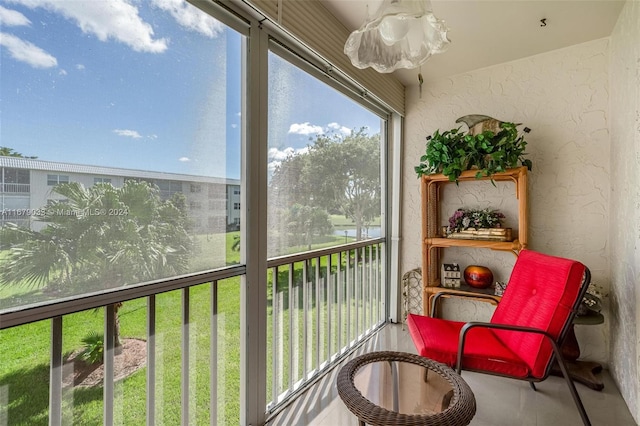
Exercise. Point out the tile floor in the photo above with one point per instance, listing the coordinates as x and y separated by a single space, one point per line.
500 401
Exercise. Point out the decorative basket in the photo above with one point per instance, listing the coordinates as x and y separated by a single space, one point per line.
411 293
493 234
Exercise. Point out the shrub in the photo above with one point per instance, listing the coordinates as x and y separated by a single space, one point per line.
93 351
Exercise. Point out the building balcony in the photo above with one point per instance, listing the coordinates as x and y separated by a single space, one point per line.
15 188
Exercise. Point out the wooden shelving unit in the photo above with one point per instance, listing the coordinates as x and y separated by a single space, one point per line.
433 242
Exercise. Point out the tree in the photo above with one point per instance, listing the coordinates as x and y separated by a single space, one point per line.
336 174
307 222
345 175
100 237
10 152
290 201
289 184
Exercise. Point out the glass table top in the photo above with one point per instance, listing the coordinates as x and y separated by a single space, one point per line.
401 387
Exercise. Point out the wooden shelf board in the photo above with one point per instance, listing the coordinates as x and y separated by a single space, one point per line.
494 245
463 289
470 175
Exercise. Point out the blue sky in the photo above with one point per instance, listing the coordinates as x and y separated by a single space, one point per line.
150 85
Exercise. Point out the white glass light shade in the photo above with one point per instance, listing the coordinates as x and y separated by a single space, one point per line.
393 29
401 34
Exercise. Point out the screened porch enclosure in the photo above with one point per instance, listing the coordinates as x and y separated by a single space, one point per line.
194 221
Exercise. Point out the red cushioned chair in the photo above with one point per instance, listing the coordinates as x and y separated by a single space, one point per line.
526 330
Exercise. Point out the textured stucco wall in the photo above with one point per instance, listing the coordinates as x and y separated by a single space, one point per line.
625 205
561 95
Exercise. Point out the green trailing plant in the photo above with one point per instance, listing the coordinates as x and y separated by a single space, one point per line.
93 350
452 152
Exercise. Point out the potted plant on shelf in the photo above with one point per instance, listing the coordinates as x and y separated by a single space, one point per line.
490 146
476 224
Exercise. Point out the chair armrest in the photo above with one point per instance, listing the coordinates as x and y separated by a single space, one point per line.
472 324
463 295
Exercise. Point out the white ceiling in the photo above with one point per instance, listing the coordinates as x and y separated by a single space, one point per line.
488 32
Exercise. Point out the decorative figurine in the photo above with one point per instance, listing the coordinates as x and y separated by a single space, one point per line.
450 275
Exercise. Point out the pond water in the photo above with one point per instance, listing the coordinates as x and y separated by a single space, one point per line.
372 232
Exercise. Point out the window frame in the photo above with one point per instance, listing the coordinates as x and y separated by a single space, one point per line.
53 180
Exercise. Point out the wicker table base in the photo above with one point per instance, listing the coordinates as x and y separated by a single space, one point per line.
396 388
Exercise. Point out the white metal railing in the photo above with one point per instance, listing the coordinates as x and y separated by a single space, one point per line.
56 312
15 187
322 304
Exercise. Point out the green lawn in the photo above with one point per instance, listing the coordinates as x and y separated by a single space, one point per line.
24 369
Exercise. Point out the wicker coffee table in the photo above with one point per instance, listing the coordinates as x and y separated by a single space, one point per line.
396 388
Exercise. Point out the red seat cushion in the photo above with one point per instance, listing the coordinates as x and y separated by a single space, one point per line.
541 293
437 339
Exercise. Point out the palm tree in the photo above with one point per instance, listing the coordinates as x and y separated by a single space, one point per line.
10 152
100 237
235 246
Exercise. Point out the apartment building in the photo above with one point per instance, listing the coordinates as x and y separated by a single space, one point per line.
27 185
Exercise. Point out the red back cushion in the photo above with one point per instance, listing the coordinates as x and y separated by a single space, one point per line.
541 293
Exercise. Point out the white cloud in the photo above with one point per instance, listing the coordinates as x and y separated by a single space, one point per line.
79 67
29 53
153 137
127 133
13 18
275 156
305 129
279 155
190 17
62 72
184 159
113 19
340 129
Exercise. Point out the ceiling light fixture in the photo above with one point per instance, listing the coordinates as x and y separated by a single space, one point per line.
401 34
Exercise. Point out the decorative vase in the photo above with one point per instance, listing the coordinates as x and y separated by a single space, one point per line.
478 276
